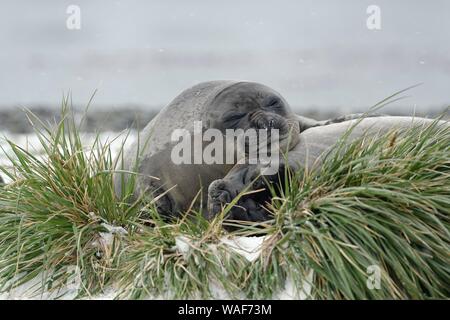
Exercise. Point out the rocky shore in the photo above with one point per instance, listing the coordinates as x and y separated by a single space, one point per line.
13 120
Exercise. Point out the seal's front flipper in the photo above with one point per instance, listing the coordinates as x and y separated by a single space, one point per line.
306 123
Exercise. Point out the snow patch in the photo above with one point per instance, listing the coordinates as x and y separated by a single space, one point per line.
107 238
183 245
249 247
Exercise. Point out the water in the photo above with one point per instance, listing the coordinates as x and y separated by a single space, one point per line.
318 55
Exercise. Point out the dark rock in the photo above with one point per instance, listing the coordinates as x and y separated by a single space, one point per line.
15 120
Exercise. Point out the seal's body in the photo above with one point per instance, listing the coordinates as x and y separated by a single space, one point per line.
314 144
220 105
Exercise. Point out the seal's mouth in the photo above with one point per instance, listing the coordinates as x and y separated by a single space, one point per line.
269 121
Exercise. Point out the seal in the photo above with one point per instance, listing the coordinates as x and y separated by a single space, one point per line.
314 144
220 105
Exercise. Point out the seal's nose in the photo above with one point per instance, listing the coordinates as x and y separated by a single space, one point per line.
266 120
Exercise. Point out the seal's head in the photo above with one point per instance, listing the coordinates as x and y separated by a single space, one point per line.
249 105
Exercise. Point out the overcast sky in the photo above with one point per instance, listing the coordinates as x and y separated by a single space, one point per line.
146 52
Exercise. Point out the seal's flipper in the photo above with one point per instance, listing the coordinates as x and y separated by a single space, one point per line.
353 116
306 123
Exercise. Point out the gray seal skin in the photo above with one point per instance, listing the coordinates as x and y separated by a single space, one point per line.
308 153
222 105
218 104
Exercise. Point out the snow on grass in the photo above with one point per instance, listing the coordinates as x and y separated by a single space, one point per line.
248 247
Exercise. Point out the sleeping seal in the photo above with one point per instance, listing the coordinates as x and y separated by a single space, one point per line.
219 105
308 153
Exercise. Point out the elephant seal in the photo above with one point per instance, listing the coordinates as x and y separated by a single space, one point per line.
313 146
219 105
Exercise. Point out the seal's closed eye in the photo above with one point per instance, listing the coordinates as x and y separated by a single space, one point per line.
234 116
232 120
272 102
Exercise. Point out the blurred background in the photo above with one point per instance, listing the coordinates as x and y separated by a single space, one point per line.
139 55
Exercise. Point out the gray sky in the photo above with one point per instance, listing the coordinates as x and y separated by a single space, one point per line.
145 52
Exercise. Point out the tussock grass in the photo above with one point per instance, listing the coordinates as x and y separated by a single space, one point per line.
378 202
381 202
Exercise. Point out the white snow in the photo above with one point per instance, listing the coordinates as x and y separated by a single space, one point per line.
32 290
108 237
249 247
